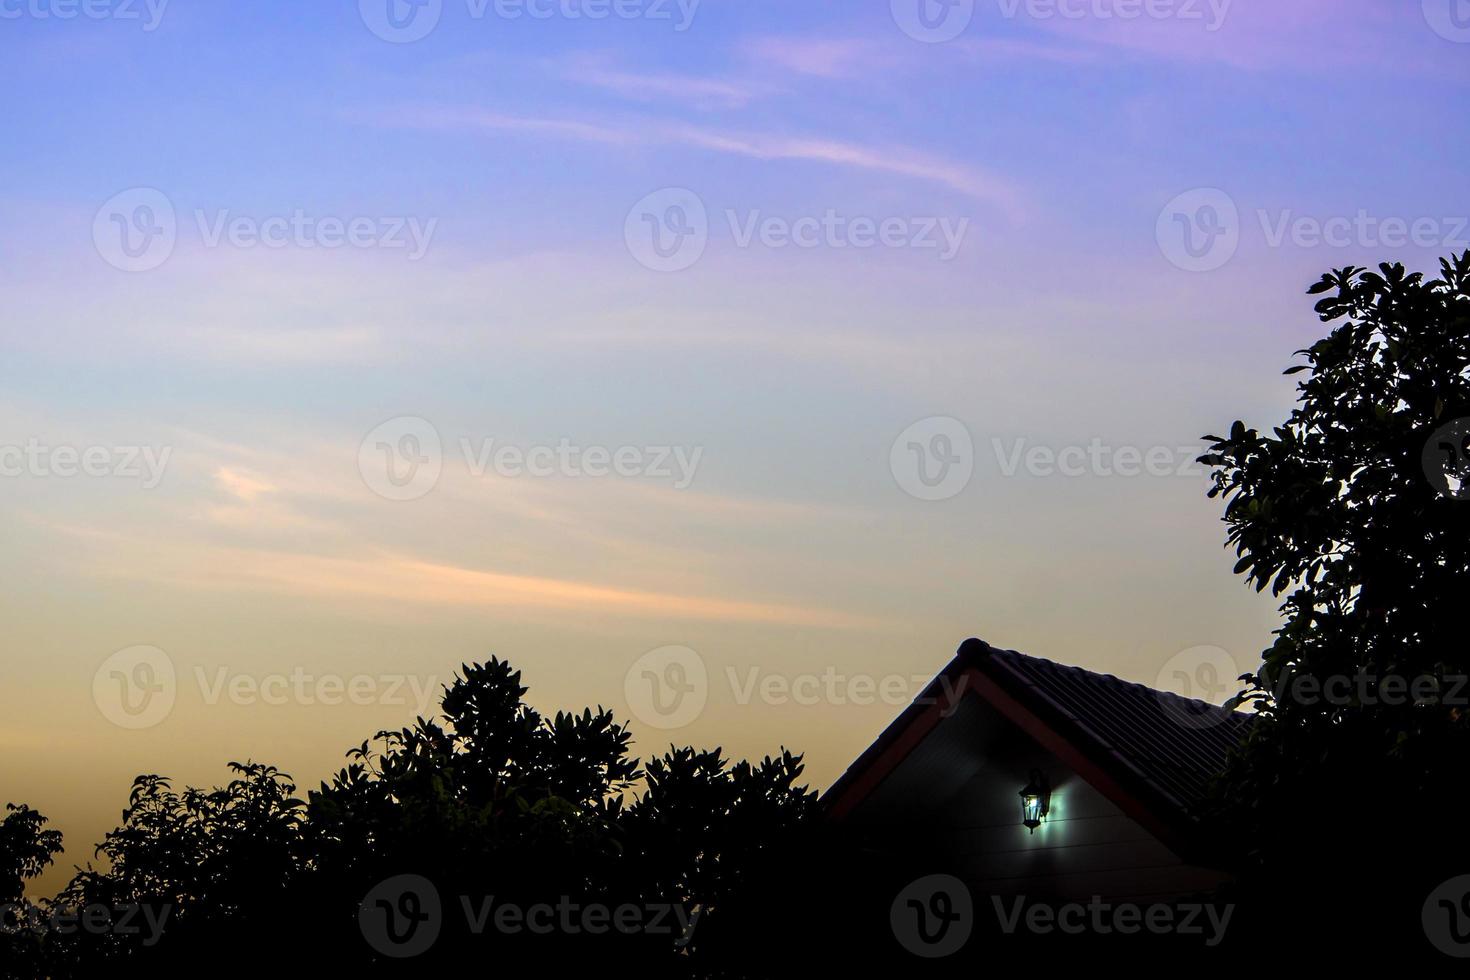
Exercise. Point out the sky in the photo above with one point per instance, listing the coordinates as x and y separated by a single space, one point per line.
724 363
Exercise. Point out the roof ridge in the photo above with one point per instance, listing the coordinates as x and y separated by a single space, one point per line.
969 649
1125 720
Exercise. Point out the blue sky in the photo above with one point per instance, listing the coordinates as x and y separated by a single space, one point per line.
1066 146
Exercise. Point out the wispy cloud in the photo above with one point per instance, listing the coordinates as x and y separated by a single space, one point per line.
642 86
258 342
459 117
1010 50
823 57
245 486
390 577
400 578
890 159
904 161
256 506
286 516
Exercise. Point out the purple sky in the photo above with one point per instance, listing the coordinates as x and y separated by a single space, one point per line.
807 339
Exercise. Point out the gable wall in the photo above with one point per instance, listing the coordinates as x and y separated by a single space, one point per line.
955 801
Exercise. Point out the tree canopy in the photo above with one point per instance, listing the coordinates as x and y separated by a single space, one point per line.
1350 510
490 807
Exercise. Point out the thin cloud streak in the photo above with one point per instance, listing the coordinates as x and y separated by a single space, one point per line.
246 486
395 578
899 160
1010 50
831 58
651 87
468 117
250 506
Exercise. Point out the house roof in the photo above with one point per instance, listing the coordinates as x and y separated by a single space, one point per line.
1151 750
1176 745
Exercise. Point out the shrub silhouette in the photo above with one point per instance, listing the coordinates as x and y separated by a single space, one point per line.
493 805
26 849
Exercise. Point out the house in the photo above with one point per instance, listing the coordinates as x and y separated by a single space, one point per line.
1114 772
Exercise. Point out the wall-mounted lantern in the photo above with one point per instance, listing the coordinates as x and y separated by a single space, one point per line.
1035 800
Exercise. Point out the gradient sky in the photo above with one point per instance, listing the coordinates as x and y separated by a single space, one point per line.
1065 144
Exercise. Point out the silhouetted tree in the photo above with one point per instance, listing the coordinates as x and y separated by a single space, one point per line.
207 865
26 849
1347 799
490 805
